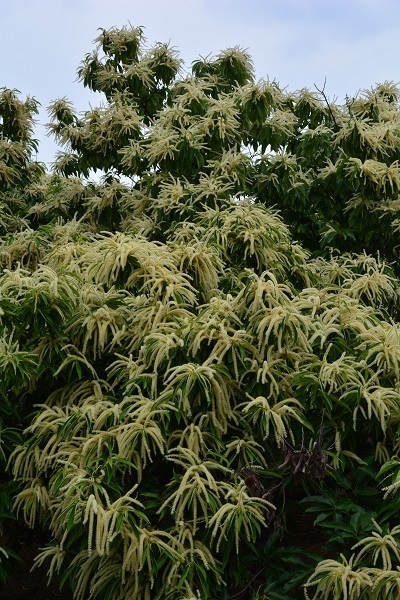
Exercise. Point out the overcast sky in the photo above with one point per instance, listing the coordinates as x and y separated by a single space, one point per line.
353 43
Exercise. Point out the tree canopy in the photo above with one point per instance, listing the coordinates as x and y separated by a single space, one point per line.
200 350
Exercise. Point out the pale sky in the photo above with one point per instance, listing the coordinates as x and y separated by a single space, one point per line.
353 43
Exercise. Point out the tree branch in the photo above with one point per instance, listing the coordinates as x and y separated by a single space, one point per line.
237 596
322 92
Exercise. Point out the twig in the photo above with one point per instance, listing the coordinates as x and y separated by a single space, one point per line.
322 92
236 596
348 104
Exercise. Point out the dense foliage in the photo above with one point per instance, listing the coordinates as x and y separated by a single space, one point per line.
200 368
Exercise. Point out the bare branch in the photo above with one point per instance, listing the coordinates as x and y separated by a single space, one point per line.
322 92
